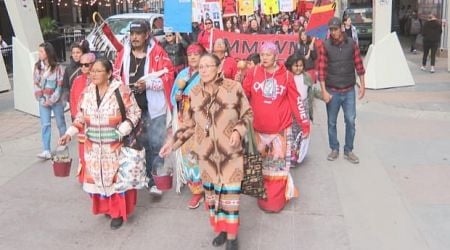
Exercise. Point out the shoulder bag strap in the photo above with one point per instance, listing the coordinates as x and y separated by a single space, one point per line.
121 105
191 79
252 148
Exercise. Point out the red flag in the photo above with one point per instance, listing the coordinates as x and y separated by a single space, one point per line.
318 22
112 38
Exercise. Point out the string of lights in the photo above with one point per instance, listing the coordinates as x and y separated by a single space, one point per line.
40 4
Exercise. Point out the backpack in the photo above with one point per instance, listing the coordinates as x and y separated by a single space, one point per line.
416 26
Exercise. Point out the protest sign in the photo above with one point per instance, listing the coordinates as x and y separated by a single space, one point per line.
229 8
246 7
212 10
177 16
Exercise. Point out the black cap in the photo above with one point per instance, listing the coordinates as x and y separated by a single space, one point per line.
139 26
334 23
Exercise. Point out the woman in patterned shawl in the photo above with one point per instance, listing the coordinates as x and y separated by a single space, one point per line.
217 120
187 163
100 117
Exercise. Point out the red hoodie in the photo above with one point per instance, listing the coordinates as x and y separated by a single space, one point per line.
274 102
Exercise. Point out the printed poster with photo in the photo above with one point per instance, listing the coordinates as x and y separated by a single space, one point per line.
287 5
212 10
197 11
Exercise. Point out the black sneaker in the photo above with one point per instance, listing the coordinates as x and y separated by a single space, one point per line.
220 239
232 244
333 155
116 223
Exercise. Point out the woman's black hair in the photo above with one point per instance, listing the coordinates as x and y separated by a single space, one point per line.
227 46
83 46
308 38
51 56
345 18
255 58
293 59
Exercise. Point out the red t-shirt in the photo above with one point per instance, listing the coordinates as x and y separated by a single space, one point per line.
274 99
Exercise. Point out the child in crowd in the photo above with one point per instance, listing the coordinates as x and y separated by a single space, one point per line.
303 82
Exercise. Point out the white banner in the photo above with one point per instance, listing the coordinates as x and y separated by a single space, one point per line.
197 10
286 5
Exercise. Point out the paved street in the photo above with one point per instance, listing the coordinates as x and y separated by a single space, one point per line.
396 198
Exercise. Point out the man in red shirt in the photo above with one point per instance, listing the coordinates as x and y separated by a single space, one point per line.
339 57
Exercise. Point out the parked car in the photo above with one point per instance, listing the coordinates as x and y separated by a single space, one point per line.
120 26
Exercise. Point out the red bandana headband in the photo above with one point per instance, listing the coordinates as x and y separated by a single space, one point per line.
194 49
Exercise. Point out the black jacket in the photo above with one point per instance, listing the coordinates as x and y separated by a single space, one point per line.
176 52
70 73
432 31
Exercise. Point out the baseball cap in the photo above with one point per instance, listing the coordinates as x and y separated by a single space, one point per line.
334 23
139 26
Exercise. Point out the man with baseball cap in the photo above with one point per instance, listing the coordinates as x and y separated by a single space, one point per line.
141 56
339 57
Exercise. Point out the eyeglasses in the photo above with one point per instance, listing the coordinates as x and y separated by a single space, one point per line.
169 35
87 65
208 23
97 71
202 67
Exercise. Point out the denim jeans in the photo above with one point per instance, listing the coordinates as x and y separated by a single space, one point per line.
154 136
348 103
46 121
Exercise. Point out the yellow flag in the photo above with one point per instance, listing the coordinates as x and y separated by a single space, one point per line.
246 7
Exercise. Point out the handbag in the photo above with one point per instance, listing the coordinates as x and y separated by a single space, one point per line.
131 173
253 181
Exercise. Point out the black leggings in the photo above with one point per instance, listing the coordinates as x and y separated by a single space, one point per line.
426 49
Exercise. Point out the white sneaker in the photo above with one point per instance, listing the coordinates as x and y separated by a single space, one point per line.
423 68
46 155
432 69
155 191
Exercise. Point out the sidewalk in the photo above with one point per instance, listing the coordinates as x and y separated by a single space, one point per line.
396 198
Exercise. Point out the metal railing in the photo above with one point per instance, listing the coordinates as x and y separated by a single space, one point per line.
73 35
